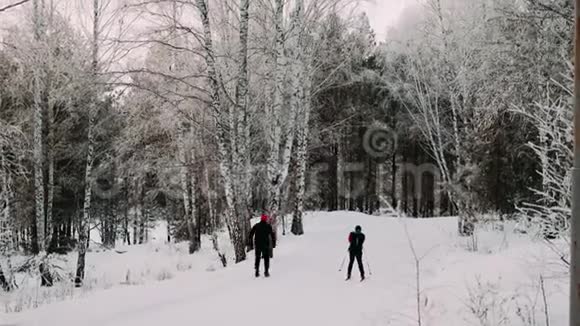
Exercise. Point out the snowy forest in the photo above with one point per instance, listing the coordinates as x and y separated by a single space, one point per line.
116 115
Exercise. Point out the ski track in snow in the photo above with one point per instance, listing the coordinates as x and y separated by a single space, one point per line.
305 287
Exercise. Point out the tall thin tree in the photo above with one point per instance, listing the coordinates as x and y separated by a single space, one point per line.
574 250
223 120
86 218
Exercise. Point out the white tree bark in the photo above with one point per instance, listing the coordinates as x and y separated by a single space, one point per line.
552 211
50 186
86 218
278 163
242 136
38 168
301 154
139 212
185 181
42 239
185 149
301 84
38 138
6 231
340 182
426 100
195 241
223 120
50 136
448 76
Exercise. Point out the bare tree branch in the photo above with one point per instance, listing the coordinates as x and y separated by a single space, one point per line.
13 5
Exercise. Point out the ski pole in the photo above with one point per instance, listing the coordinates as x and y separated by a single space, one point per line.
368 265
342 264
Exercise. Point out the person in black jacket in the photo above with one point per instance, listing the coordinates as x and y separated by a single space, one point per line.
355 249
264 240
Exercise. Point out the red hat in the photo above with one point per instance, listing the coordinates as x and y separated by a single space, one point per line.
264 218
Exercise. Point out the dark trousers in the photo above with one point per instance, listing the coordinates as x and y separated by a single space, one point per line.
358 255
265 253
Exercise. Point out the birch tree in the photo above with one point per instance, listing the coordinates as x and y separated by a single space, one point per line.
554 150
301 154
42 227
186 149
8 169
281 118
224 120
39 182
303 44
86 218
301 83
439 90
242 159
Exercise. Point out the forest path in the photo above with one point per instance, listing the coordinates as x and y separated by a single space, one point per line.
305 287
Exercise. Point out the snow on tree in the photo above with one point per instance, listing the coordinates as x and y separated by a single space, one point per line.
85 220
554 150
243 107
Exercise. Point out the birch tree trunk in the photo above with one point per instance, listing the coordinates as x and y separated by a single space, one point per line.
212 215
42 239
210 197
38 140
302 159
186 155
86 218
50 126
140 213
38 170
242 135
235 229
50 151
6 230
195 240
301 102
135 206
278 165
126 193
273 137
185 183
464 223
340 180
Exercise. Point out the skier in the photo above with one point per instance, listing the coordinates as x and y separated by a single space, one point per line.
356 240
264 240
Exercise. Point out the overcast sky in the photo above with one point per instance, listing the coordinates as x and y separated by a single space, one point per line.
384 13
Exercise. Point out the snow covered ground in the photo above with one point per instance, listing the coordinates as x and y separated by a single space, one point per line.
499 284
123 266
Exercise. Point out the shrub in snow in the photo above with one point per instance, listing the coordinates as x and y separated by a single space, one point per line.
183 266
33 297
128 280
491 234
164 275
487 305
491 304
136 265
